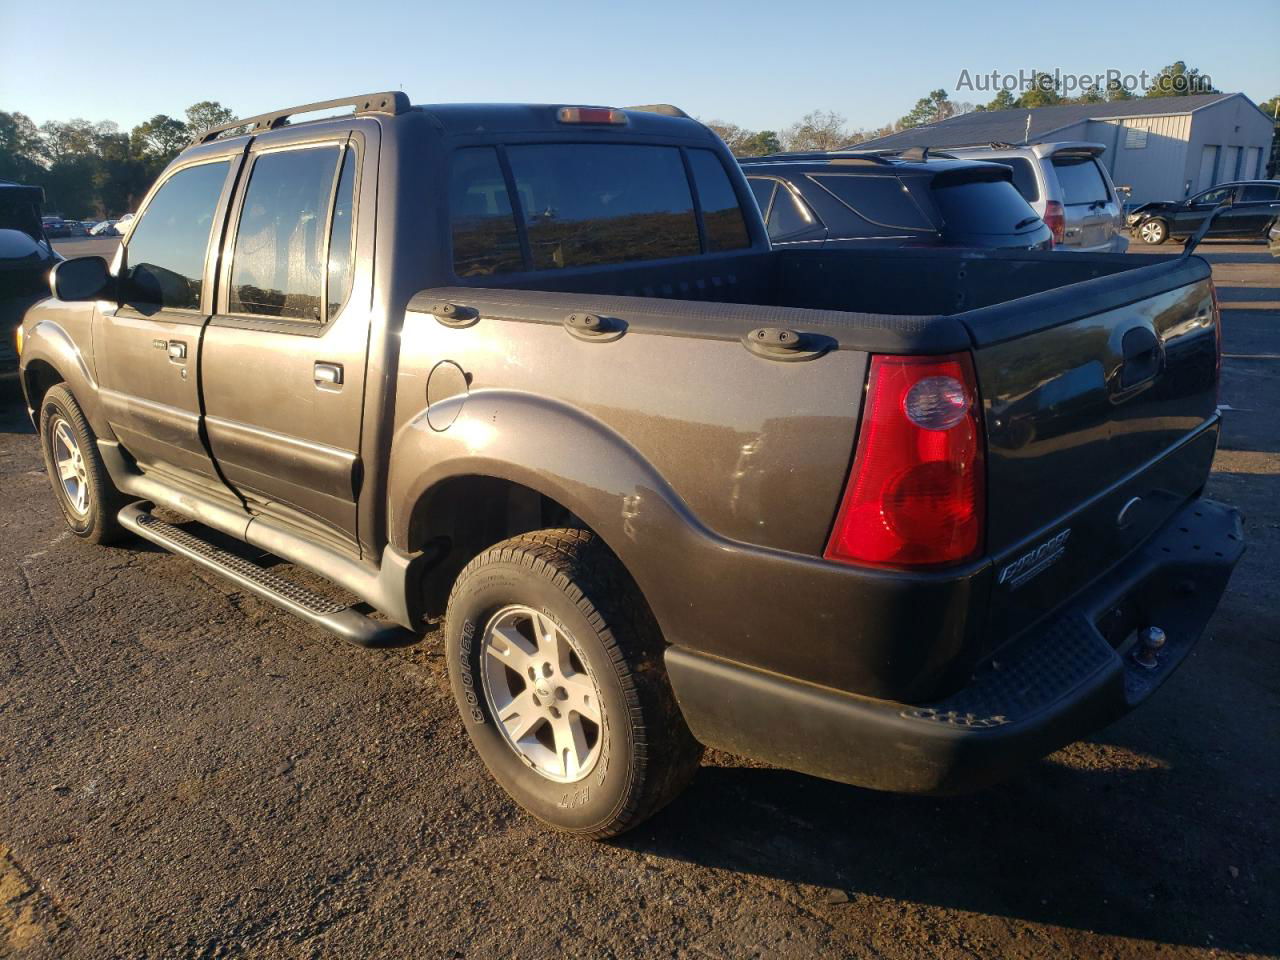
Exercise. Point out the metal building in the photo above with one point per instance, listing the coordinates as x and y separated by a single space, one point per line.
1164 148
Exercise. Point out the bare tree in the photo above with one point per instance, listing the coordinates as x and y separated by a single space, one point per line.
818 130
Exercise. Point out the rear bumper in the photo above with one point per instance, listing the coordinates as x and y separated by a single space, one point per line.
1057 682
1119 243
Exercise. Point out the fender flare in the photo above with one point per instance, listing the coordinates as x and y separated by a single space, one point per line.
50 343
561 452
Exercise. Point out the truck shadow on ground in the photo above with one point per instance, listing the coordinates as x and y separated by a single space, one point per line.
1096 850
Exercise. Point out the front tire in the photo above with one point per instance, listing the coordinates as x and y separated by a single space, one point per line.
556 665
88 499
1154 231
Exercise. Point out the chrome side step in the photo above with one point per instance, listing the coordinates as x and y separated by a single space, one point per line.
346 622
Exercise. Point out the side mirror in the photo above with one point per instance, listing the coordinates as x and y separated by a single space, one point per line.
84 278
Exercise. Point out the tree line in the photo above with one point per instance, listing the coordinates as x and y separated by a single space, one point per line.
95 170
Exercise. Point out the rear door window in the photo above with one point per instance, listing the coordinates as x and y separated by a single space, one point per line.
721 214
1259 193
277 269
983 207
342 237
167 248
1081 180
592 204
883 200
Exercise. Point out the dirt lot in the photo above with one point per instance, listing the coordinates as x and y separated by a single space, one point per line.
185 771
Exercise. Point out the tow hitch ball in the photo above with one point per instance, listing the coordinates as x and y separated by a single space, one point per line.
1146 654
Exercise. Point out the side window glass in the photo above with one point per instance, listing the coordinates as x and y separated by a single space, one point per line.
788 216
1258 193
762 189
342 236
485 239
883 200
167 248
721 215
279 250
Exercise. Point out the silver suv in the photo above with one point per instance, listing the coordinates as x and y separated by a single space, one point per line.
1068 187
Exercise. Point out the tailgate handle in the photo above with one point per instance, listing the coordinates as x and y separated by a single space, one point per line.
1142 357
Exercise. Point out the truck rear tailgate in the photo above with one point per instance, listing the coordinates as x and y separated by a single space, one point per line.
1101 421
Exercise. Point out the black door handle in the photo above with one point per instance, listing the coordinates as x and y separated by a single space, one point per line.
1141 351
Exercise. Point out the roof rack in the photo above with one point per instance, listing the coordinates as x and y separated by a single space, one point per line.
393 103
663 109
835 156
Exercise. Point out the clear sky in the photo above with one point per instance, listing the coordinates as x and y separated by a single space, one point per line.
758 65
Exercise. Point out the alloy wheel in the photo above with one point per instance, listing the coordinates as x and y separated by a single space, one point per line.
72 472
541 693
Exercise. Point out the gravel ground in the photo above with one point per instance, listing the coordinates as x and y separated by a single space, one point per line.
186 771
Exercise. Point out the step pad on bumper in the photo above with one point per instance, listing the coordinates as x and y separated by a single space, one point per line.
1020 683
346 622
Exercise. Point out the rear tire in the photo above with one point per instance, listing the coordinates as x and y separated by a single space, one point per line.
1154 231
88 499
556 664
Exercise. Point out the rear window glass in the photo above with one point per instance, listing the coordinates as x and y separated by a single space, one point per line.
485 239
881 199
1081 180
1024 176
591 204
983 207
721 214
17 213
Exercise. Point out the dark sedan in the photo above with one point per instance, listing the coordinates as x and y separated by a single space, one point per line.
1254 206
910 199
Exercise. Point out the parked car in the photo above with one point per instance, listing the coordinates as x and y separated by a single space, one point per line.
55 228
104 228
1255 204
1069 186
860 199
25 254
905 518
74 228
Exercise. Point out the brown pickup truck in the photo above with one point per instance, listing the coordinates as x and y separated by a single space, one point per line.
902 518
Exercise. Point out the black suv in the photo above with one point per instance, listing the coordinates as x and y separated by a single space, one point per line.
1255 205
909 199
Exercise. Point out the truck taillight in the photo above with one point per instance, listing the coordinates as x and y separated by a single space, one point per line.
1055 218
915 493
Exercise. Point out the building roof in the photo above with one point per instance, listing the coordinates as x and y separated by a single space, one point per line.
1010 126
